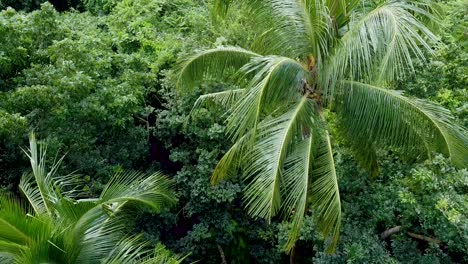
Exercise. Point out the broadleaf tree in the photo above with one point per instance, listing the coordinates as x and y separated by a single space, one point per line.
314 57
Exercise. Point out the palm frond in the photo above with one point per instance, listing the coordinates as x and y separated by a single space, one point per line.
42 179
12 226
9 250
161 255
212 62
372 114
264 163
16 225
307 22
380 45
324 192
32 193
154 190
232 159
340 11
277 81
295 187
129 250
223 98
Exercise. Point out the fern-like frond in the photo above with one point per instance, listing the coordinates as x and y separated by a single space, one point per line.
32 193
265 161
232 159
212 62
276 81
224 98
295 187
380 45
324 192
131 250
154 190
372 114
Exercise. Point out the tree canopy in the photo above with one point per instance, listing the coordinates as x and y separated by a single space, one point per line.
288 131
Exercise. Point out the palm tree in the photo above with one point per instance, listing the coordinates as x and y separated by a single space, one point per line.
316 59
55 226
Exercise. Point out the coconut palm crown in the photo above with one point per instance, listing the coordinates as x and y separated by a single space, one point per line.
54 225
320 56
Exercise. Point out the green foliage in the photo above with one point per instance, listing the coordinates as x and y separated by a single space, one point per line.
342 57
101 86
444 79
100 7
57 226
26 5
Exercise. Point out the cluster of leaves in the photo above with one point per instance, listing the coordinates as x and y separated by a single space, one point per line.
100 86
57 226
87 84
429 199
444 79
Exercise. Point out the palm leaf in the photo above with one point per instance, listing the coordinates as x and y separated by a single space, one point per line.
223 98
32 193
211 62
372 114
277 81
42 179
264 164
380 45
154 190
295 187
17 226
232 159
324 192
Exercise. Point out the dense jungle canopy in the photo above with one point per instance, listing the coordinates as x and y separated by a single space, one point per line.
222 131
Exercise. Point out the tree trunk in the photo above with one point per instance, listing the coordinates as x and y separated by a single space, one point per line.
292 256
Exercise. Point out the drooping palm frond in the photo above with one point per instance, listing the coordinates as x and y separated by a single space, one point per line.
367 160
265 161
288 165
154 190
129 250
324 192
276 81
296 185
224 98
381 45
213 62
372 114
232 160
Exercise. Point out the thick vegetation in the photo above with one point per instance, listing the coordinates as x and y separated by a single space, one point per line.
97 81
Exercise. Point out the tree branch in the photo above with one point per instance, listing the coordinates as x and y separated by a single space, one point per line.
397 229
221 252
